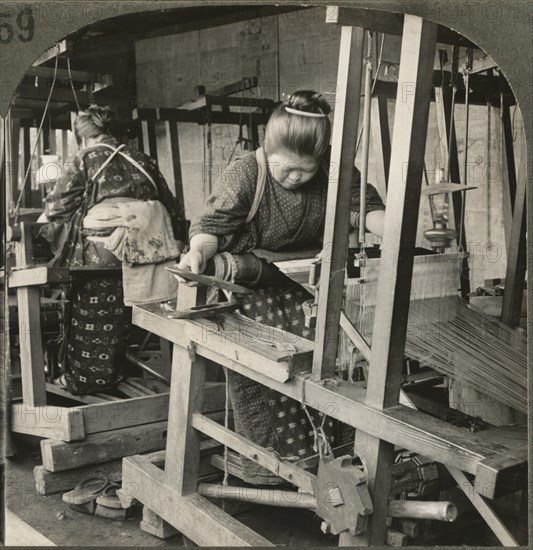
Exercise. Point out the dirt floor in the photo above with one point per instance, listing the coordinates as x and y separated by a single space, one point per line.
55 520
284 527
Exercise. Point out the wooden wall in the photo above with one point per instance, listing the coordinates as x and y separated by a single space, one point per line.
299 50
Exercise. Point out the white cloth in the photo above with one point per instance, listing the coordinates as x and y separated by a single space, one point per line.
148 283
143 231
143 241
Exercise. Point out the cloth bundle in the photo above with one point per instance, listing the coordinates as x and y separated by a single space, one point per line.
143 240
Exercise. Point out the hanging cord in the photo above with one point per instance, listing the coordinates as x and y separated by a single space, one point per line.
240 138
366 140
32 156
466 75
72 83
226 425
378 66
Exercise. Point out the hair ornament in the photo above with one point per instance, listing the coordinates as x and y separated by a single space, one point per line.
304 113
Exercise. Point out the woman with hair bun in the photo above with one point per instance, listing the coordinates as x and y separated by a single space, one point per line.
106 194
270 205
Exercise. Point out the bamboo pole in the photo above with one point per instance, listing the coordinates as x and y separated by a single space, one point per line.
416 509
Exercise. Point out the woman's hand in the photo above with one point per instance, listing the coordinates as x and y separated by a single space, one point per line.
203 247
192 261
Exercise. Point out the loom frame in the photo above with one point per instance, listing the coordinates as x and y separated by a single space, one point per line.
172 493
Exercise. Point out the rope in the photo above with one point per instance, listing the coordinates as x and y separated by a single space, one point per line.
72 83
226 425
321 443
32 156
373 86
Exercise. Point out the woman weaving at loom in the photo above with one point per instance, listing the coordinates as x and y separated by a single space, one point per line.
269 206
110 208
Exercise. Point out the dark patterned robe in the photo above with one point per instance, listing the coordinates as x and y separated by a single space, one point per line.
92 353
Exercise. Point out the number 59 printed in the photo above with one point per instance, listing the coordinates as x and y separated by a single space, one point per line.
24 26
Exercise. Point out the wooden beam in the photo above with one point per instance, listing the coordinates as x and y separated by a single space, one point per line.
421 433
240 340
104 446
483 89
59 95
508 169
223 101
503 473
63 74
482 64
394 283
291 473
355 336
380 136
342 168
29 318
12 157
57 49
388 23
187 395
26 201
169 157
486 512
183 115
408 148
37 276
193 515
149 139
516 256
61 423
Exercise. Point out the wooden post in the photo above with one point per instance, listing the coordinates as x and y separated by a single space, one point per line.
381 143
443 100
394 283
29 315
187 388
508 170
149 139
64 146
516 255
168 155
338 204
27 159
12 157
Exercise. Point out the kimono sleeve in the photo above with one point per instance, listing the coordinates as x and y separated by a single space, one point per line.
229 204
67 194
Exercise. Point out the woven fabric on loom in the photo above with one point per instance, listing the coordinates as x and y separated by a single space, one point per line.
454 338
446 333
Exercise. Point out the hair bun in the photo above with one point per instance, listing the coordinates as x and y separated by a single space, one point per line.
102 117
308 101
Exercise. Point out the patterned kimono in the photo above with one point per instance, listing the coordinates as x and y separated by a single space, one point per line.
93 346
285 221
